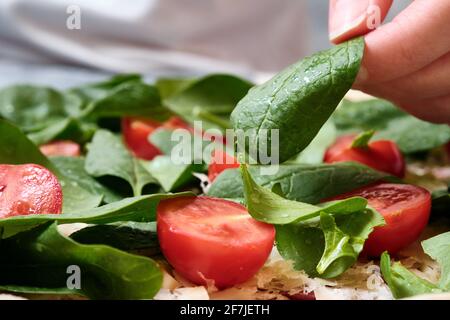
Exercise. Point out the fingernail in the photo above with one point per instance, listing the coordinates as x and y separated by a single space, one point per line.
345 17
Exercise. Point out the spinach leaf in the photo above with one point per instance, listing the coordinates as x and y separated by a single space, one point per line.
402 282
66 129
269 207
184 149
438 248
315 151
33 108
169 175
216 93
16 148
133 98
40 258
73 168
99 90
107 155
139 209
300 99
300 182
168 87
121 235
411 134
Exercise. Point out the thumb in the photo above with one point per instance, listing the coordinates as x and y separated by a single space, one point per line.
352 18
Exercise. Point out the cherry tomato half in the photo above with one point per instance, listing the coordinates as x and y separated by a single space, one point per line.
405 208
65 148
220 161
135 133
382 155
208 239
28 189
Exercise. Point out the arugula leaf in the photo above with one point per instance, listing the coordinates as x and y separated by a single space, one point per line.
438 248
269 207
344 239
18 149
300 99
121 235
301 243
107 155
169 175
73 168
402 282
300 182
409 133
345 225
139 209
329 246
40 258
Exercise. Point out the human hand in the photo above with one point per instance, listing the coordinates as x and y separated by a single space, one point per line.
406 61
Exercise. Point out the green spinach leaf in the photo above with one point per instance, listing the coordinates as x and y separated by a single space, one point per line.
107 155
139 209
300 182
169 175
73 168
411 134
121 235
41 257
300 99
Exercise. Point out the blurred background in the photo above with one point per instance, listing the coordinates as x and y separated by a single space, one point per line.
63 43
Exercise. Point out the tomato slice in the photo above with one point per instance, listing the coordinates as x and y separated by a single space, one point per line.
406 210
65 148
28 189
220 161
208 239
136 132
382 155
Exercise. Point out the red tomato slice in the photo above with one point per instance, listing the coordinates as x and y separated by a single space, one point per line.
28 189
220 161
136 132
177 123
208 239
405 208
382 155
65 148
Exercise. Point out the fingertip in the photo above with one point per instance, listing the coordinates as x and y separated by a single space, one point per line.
352 18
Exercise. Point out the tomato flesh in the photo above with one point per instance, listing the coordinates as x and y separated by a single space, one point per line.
406 210
136 132
220 161
64 148
382 155
28 189
207 239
